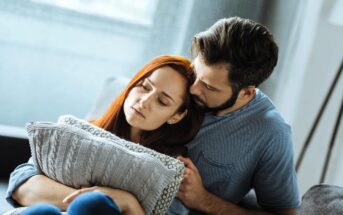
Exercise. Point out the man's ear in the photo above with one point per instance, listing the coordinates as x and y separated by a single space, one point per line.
247 93
177 117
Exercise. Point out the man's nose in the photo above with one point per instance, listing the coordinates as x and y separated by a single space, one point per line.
195 88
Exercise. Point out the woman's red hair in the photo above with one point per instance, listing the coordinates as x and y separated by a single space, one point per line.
169 138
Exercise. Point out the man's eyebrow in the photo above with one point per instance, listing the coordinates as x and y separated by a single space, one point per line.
209 86
164 93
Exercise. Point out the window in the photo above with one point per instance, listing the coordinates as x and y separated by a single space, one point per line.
134 11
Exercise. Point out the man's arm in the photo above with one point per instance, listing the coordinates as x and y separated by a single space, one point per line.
40 188
195 196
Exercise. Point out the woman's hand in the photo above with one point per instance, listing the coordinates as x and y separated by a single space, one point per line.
125 200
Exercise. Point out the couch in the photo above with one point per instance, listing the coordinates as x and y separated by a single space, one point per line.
318 200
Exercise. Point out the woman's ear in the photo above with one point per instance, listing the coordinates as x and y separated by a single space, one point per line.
177 117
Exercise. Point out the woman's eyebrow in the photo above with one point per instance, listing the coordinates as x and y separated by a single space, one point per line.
164 93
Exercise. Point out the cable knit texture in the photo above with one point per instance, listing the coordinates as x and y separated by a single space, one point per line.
77 153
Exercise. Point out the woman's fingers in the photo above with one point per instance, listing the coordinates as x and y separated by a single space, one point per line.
73 195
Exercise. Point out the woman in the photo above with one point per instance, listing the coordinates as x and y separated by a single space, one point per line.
154 110
170 121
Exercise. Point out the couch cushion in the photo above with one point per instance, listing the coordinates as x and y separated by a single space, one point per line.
322 199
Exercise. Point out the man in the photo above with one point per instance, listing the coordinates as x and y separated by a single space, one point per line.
244 143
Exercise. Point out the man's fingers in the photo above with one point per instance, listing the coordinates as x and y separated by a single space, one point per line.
188 163
186 172
183 186
178 194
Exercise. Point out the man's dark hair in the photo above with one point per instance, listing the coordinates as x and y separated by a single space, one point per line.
246 46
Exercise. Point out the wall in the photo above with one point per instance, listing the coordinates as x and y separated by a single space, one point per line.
280 17
204 14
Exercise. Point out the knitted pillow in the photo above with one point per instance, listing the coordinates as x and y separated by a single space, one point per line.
76 157
169 191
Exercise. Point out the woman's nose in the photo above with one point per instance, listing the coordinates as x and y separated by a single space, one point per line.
145 100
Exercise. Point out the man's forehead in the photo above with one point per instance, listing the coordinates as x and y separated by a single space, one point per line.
216 74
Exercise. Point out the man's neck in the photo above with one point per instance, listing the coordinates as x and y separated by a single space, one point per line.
238 105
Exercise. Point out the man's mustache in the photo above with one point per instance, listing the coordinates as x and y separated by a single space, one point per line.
198 101
201 105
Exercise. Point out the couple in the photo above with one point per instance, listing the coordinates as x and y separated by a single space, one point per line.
240 142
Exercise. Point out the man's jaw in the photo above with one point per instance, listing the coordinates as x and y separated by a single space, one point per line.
204 107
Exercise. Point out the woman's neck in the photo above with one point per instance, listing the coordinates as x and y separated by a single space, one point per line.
135 135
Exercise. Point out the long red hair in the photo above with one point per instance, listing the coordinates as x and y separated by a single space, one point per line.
169 138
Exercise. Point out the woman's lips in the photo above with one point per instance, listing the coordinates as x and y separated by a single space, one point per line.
138 112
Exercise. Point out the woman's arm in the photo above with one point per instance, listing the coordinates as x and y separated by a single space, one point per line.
19 175
40 188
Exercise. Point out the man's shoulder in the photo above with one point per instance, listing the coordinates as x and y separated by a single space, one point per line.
265 112
265 121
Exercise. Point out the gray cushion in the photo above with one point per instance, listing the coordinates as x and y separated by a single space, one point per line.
322 199
168 192
75 157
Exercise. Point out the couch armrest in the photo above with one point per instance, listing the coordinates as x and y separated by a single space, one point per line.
14 149
322 199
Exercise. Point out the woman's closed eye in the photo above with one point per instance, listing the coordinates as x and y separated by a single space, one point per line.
161 102
161 99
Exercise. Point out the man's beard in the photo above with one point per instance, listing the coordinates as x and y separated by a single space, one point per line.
229 103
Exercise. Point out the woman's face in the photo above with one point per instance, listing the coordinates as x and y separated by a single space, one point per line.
156 100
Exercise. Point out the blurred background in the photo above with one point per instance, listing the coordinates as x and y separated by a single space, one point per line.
55 56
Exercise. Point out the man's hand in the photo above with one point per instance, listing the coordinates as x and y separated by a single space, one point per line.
192 192
194 195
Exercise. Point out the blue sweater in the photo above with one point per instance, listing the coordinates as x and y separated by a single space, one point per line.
250 148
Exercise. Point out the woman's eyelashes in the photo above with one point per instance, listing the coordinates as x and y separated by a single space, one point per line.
147 88
161 102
